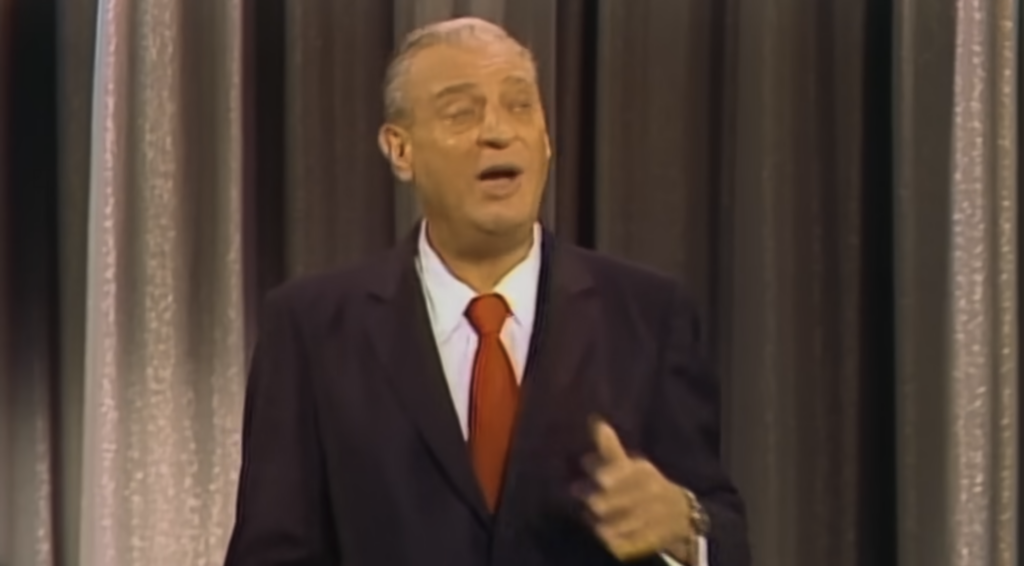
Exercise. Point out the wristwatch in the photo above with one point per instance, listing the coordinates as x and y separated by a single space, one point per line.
698 516
701 524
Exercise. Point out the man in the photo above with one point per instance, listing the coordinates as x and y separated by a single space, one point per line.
482 394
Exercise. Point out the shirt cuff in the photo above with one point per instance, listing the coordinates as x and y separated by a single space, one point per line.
702 553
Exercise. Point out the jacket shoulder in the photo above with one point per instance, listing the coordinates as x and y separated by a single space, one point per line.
325 291
618 274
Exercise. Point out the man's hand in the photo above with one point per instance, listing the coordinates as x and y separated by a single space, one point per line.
634 509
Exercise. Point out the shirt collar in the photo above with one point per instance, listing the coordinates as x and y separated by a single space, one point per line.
448 297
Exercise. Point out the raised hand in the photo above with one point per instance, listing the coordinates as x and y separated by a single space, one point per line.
633 508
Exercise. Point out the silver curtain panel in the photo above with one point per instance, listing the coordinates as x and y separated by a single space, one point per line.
836 182
957 282
164 333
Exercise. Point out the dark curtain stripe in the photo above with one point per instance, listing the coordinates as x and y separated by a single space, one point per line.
339 204
924 108
719 201
264 131
574 145
6 450
33 168
877 450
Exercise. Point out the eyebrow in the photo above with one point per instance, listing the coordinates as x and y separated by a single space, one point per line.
462 88
516 80
458 88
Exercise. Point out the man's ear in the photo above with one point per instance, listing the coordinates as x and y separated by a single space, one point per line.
394 144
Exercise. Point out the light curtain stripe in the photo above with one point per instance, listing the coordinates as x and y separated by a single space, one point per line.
958 459
164 330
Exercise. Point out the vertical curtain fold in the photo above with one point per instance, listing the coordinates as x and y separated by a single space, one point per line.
76 50
790 275
339 200
6 369
30 365
661 176
164 368
957 282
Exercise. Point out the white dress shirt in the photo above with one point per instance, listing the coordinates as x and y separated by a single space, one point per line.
448 298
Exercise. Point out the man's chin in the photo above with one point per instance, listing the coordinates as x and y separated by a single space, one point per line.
505 227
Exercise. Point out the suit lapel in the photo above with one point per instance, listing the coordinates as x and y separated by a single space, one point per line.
401 334
568 320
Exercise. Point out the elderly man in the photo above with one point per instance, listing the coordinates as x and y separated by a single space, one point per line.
482 394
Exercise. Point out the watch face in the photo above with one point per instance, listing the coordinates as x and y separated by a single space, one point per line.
701 521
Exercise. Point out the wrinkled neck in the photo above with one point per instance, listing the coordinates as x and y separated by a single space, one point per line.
480 262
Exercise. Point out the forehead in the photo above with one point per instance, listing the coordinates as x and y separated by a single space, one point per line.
480 63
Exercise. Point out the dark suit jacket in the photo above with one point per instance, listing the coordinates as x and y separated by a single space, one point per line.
352 453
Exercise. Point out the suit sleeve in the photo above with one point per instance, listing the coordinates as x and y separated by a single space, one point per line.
683 434
282 514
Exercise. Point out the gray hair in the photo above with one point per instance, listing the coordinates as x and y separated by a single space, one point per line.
449 31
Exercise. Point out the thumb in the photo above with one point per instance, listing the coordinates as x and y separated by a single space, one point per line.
607 442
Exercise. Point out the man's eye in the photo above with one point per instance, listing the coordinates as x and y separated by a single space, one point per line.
522 105
461 113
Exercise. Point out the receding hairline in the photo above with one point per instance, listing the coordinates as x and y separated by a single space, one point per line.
457 31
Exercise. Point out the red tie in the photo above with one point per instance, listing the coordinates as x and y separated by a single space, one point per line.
494 395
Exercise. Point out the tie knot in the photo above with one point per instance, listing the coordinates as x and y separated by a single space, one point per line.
487 313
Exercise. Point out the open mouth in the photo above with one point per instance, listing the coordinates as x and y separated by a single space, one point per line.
502 172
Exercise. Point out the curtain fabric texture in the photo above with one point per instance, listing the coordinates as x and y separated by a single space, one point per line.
835 182
957 312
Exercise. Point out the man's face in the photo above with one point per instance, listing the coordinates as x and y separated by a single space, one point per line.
476 147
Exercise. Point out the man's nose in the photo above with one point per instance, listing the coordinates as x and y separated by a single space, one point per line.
496 131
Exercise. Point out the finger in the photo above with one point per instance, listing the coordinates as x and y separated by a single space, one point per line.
610 506
623 476
606 475
607 442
